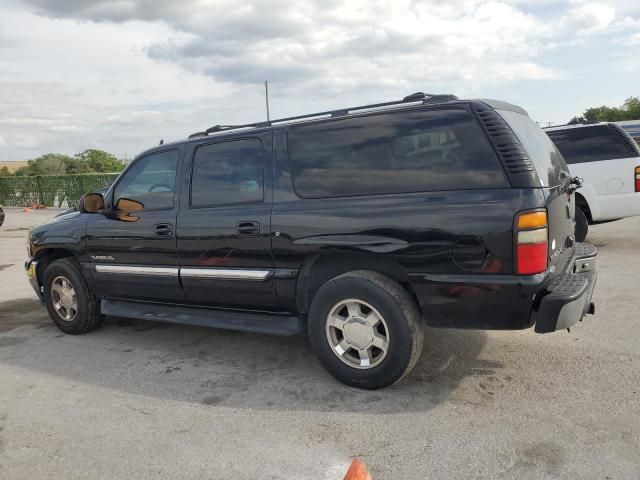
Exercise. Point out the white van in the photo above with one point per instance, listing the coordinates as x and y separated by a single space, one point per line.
608 161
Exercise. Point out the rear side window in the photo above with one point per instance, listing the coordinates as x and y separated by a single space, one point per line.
439 149
590 144
544 155
228 173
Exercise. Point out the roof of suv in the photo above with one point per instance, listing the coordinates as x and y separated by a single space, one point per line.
413 100
626 124
576 125
631 126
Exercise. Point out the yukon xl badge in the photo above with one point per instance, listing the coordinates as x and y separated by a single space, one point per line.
102 257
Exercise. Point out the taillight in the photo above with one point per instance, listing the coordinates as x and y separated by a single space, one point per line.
532 240
637 174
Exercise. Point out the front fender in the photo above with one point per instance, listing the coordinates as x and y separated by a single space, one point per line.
66 232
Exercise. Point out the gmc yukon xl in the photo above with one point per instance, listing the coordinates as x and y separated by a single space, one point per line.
358 226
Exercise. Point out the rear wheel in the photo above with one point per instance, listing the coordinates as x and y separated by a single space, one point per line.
582 225
366 329
71 306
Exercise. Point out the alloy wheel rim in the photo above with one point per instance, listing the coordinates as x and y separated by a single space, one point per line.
357 333
63 299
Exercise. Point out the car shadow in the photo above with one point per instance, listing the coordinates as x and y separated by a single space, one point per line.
235 369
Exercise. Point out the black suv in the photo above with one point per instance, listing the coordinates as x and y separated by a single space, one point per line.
358 225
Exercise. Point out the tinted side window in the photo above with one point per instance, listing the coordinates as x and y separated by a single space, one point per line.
438 149
589 144
228 173
543 153
150 182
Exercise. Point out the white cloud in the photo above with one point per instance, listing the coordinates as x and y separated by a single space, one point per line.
631 40
591 17
332 47
122 74
622 7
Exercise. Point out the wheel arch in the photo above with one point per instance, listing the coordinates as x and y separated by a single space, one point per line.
46 256
587 197
583 204
318 269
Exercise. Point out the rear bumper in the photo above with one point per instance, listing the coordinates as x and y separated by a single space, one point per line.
510 302
567 299
31 266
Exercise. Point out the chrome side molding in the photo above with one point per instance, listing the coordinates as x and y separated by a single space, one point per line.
227 274
138 270
204 273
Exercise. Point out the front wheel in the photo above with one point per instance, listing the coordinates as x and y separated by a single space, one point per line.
71 306
365 329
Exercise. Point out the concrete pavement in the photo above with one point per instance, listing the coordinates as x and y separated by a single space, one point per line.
148 400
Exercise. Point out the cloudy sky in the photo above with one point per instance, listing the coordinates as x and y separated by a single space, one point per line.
122 74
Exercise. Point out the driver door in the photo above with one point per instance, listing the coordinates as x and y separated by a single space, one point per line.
132 243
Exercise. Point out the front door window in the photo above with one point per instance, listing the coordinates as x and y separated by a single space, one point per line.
149 184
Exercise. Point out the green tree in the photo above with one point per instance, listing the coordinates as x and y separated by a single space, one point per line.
89 161
97 161
21 172
48 164
632 106
4 171
52 164
630 110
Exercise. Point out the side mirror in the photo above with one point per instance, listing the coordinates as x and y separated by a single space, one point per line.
128 205
91 203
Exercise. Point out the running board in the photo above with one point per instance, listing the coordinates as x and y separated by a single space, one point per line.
257 322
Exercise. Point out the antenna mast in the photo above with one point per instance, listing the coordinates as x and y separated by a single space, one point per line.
266 97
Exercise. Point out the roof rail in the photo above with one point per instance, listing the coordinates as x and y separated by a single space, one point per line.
588 122
198 134
417 98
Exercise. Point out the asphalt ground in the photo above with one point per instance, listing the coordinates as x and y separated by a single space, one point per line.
145 400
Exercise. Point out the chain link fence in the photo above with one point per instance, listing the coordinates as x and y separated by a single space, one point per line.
51 190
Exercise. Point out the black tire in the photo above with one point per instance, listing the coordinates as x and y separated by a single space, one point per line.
400 315
87 316
582 225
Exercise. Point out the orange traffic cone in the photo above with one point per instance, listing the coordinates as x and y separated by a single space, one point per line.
357 471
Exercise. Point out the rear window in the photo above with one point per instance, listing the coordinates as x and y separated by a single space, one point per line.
401 152
544 155
590 144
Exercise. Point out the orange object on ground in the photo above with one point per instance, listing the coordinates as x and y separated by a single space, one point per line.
26 210
357 471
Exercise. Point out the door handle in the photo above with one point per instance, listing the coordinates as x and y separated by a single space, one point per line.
164 229
248 228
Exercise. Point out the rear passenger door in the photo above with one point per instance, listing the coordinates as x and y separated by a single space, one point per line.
224 228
